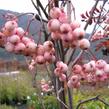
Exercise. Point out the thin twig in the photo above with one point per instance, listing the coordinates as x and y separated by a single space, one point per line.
77 58
70 58
61 50
31 13
48 72
103 101
41 6
66 50
70 95
41 19
58 93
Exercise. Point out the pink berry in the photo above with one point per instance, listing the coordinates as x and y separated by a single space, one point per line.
69 84
48 45
77 69
53 59
57 72
101 64
62 77
103 77
58 64
84 44
14 39
53 25
74 79
25 40
40 50
11 25
88 68
55 35
55 12
63 18
90 78
9 47
62 66
6 32
75 24
65 44
99 72
48 56
40 59
74 43
78 33
2 39
19 31
92 63
65 28
106 68
67 37
31 46
77 85
20 47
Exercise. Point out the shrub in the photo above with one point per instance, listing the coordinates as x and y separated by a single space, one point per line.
6 107
49 102
15 88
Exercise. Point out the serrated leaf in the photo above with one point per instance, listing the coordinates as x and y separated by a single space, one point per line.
83 16
97 10
90 22
87 14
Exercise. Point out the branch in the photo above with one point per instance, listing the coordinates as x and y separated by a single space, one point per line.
88 100
92 99
34 4
40 17
34 14
41 6
58 94
48 72
99 99
66 50
97 19
91 15
61 50
77 58
70 58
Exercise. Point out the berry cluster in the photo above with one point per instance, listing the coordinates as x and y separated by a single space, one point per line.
93 71
45 53
71 34
14 39
61 69
46 86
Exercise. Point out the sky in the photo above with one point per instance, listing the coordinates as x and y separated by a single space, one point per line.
26 6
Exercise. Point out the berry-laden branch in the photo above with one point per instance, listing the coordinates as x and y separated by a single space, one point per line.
63 36
91 16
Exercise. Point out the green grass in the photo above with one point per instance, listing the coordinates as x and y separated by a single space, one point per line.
15 87
6 107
